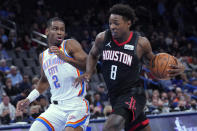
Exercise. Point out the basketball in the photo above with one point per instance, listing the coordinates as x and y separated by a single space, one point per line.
160 64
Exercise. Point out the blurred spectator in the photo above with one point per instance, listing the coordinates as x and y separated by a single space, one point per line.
178 14
35 80
3 67
193 105
2 78
156 103
3 36
194 82
27 43
169 39
15 76
26 116
97 101
103 93
22 116
3 52
2 93
10 90
33 86
193 65
7 111
21 96
164 98
25 84
178 98
18 116
91 109
43 103
107 110
34 111
12 40
97 113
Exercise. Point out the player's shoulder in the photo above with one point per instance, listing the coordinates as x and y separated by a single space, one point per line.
70 41
101 36
143 41
43 53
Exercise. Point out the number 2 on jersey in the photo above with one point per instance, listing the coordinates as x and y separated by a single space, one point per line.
113 72
56 83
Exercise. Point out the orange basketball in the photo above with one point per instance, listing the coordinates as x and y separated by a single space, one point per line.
160 64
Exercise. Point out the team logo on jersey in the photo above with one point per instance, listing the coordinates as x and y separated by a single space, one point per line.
128 47
108 44
117 56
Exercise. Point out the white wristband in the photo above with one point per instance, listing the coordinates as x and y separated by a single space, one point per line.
33 95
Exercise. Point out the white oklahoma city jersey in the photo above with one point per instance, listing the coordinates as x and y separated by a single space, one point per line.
61 76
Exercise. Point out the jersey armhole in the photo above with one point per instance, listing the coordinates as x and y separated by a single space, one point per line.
64 48
107 36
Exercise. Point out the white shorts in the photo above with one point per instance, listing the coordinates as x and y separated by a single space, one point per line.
71 113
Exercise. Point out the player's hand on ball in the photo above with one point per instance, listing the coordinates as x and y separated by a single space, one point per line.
85 77
22 104
176 69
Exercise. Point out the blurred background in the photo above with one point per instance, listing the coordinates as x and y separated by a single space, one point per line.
170 25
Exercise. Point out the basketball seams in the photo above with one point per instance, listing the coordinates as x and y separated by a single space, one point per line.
166 65
157 57
160 63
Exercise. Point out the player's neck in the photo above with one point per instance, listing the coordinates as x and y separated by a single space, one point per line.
124 37
50 47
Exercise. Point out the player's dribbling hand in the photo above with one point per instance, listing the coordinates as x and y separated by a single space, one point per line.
85 77
22 104
176 69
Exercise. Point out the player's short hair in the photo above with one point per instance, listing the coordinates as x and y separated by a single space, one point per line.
49 22
123 10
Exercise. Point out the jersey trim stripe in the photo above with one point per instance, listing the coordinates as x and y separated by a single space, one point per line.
143 123
125 42
87 105
82 84
77 123
46 123
64 45
82 120
42 58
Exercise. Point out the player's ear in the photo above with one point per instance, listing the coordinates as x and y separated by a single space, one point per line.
129 23
47 31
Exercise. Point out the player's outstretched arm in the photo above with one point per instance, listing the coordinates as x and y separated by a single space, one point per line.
41 87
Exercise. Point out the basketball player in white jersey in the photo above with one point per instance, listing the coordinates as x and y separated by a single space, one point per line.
59 68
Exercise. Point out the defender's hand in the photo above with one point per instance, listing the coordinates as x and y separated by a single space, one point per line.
85 77
22 104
